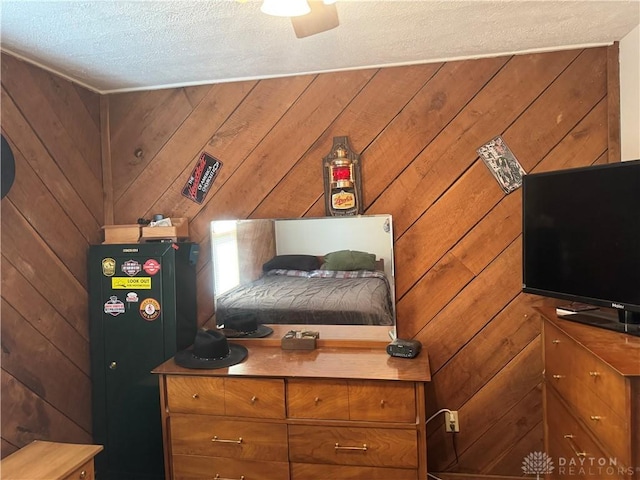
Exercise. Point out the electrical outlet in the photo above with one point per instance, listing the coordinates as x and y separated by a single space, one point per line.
451 423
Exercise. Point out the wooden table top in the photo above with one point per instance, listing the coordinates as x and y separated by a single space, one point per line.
46 460
266 360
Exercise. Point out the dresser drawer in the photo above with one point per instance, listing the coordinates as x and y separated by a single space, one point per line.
249 397
377 447
573 450
85 472
255 397
210 436
186 394
566 358
187 467
311 471
567 369
357 400
322 399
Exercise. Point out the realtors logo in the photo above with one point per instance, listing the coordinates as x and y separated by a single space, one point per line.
537 463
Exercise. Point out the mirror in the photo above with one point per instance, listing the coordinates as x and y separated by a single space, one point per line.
309 271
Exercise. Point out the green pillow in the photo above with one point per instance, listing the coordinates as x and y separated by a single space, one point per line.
349 260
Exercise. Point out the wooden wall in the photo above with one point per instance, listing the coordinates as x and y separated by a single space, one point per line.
457 235
52 213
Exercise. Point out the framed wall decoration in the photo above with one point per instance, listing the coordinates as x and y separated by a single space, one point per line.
502 163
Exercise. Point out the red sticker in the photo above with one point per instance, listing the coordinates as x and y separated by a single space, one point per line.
151 266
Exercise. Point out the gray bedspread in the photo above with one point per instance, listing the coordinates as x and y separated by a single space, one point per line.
303 300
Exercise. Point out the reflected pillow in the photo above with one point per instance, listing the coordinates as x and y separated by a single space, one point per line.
292 262
349 260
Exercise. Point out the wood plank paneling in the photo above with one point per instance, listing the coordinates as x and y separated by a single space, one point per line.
417 128
49 217
55 131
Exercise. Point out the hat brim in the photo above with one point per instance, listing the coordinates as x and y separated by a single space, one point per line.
186 359
261 332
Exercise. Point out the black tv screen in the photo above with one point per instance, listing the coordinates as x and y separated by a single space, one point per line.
581 235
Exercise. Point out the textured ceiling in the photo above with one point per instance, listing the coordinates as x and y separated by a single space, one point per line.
111 45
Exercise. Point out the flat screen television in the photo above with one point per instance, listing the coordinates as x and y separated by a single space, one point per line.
581 241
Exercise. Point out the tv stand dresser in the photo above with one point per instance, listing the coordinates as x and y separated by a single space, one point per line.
592 400
344 410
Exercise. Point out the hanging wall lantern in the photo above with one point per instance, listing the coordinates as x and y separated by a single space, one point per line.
342 180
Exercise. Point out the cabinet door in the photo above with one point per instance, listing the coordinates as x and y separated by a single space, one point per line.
133 346
127 342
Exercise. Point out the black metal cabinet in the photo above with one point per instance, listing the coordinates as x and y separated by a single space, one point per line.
142 310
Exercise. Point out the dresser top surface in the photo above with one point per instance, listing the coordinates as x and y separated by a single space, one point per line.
46 460
619 350
336 362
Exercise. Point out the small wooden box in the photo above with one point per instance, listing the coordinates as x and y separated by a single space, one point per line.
121 233
299 340
179 229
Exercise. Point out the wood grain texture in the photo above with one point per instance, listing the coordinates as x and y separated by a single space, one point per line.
49 217
50 461
417 128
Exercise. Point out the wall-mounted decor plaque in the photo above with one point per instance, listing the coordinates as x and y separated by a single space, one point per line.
342 180
502 163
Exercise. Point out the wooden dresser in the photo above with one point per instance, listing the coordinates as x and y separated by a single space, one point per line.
50 461
592 400
333 412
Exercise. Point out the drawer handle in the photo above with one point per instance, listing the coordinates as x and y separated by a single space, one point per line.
195 396
555 341
574 447
594 374
363 448
83 474
218 477
595 418
221 440
254 399
316 400
557 377
382 402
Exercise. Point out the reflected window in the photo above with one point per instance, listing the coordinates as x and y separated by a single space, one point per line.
225 256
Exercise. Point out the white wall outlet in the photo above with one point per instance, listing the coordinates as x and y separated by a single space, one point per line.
451 423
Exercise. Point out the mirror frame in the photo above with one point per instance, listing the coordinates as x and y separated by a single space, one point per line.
310 241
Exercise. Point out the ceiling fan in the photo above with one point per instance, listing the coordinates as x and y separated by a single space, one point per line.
308 17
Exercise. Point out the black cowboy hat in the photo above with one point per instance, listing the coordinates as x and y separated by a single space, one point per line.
7 167
211 350
245 326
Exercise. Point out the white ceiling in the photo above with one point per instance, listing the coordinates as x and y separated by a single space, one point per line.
113 45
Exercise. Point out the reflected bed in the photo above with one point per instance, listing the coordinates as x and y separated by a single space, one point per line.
311 297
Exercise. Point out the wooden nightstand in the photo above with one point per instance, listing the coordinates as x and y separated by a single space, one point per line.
50 461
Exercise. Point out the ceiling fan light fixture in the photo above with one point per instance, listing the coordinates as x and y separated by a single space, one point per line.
285 8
